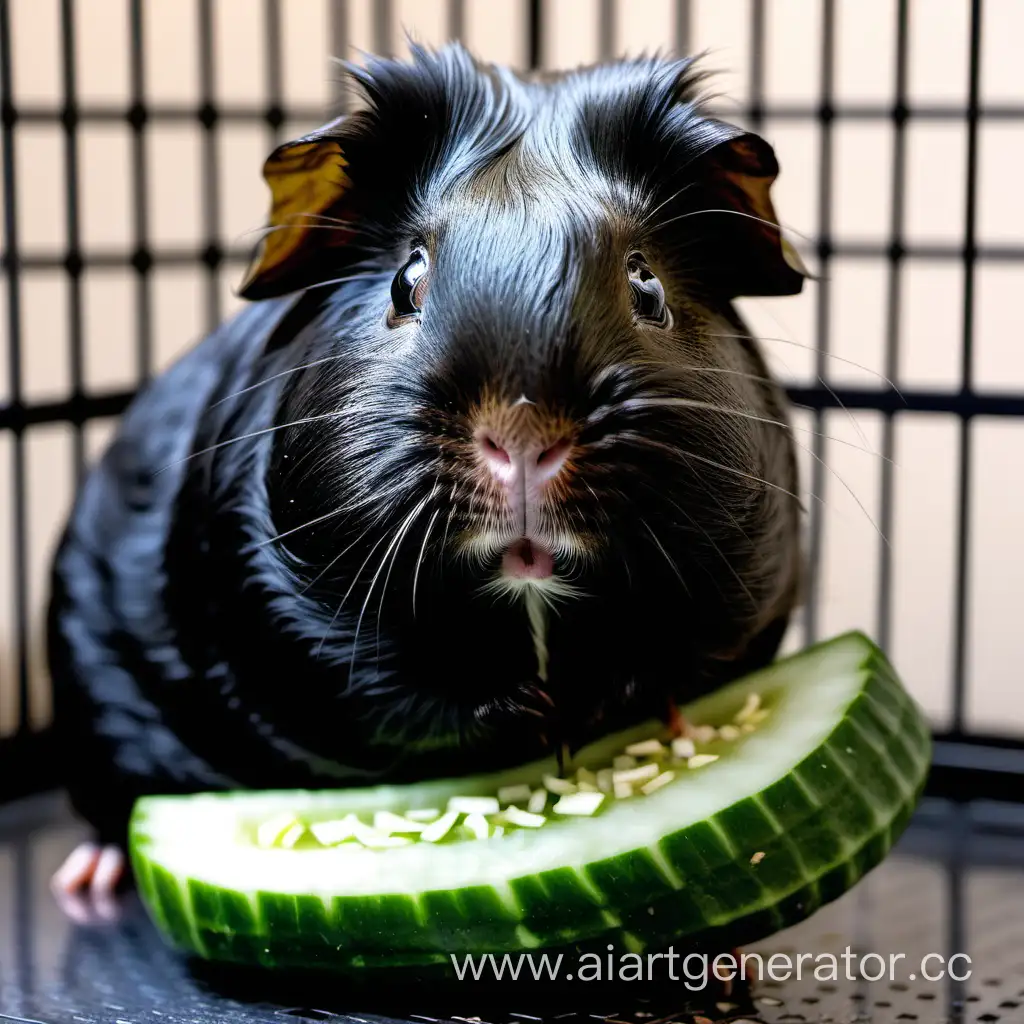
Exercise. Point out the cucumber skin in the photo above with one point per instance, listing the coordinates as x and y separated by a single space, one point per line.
819 837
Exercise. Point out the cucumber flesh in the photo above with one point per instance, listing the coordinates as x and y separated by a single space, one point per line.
644 768
787 818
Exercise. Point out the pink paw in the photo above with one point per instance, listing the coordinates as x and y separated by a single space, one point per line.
85 884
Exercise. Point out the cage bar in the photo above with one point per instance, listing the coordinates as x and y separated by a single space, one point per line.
141 259
758 48
683 27
534 38
456 19
825 252
102 113
383 28
883 625
273 27
606 30
19 542
208 117
967 370
73 261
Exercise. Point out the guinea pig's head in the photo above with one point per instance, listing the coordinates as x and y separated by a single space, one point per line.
530 383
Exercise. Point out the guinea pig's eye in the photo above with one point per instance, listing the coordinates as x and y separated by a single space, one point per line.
407 289
648 294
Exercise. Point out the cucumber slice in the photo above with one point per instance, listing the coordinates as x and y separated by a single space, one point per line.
773 822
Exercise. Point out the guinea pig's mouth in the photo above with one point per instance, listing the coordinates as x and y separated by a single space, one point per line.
530 563
526 559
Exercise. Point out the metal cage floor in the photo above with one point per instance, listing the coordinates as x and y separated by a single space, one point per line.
954 884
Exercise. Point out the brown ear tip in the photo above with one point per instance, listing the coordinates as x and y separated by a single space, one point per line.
794 260
256 285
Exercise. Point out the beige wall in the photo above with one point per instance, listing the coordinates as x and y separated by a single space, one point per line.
923 531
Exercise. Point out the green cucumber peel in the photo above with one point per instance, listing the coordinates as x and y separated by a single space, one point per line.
788 817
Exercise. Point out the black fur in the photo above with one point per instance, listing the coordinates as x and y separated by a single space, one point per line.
190 650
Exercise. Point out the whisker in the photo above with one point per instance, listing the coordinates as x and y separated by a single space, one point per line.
693 403
731 469
345 597
295 529
366 602
270 229
251 434
592 491
849 415
725 511
674 567
326 218
670 364
736 213
725 371
721 554
322 218
748 476
334 561
365 275
447 525
316 222
394 558
849 490
664 203
853 419
277 376
744 375
419 560
685 454
814 348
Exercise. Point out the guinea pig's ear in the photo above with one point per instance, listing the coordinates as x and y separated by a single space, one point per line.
750 256
312 215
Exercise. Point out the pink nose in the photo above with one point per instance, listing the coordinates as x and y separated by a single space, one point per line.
522 466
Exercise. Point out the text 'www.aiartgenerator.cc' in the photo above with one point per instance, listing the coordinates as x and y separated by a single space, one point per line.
697 970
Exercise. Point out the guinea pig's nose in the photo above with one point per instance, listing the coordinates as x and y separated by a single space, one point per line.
519 463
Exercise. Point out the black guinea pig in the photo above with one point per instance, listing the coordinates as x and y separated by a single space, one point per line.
489 466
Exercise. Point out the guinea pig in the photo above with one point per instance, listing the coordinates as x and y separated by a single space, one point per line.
488 467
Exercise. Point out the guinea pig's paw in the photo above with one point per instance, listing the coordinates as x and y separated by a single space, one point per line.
676 720
85 884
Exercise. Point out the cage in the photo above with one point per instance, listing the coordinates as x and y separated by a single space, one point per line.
133 133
